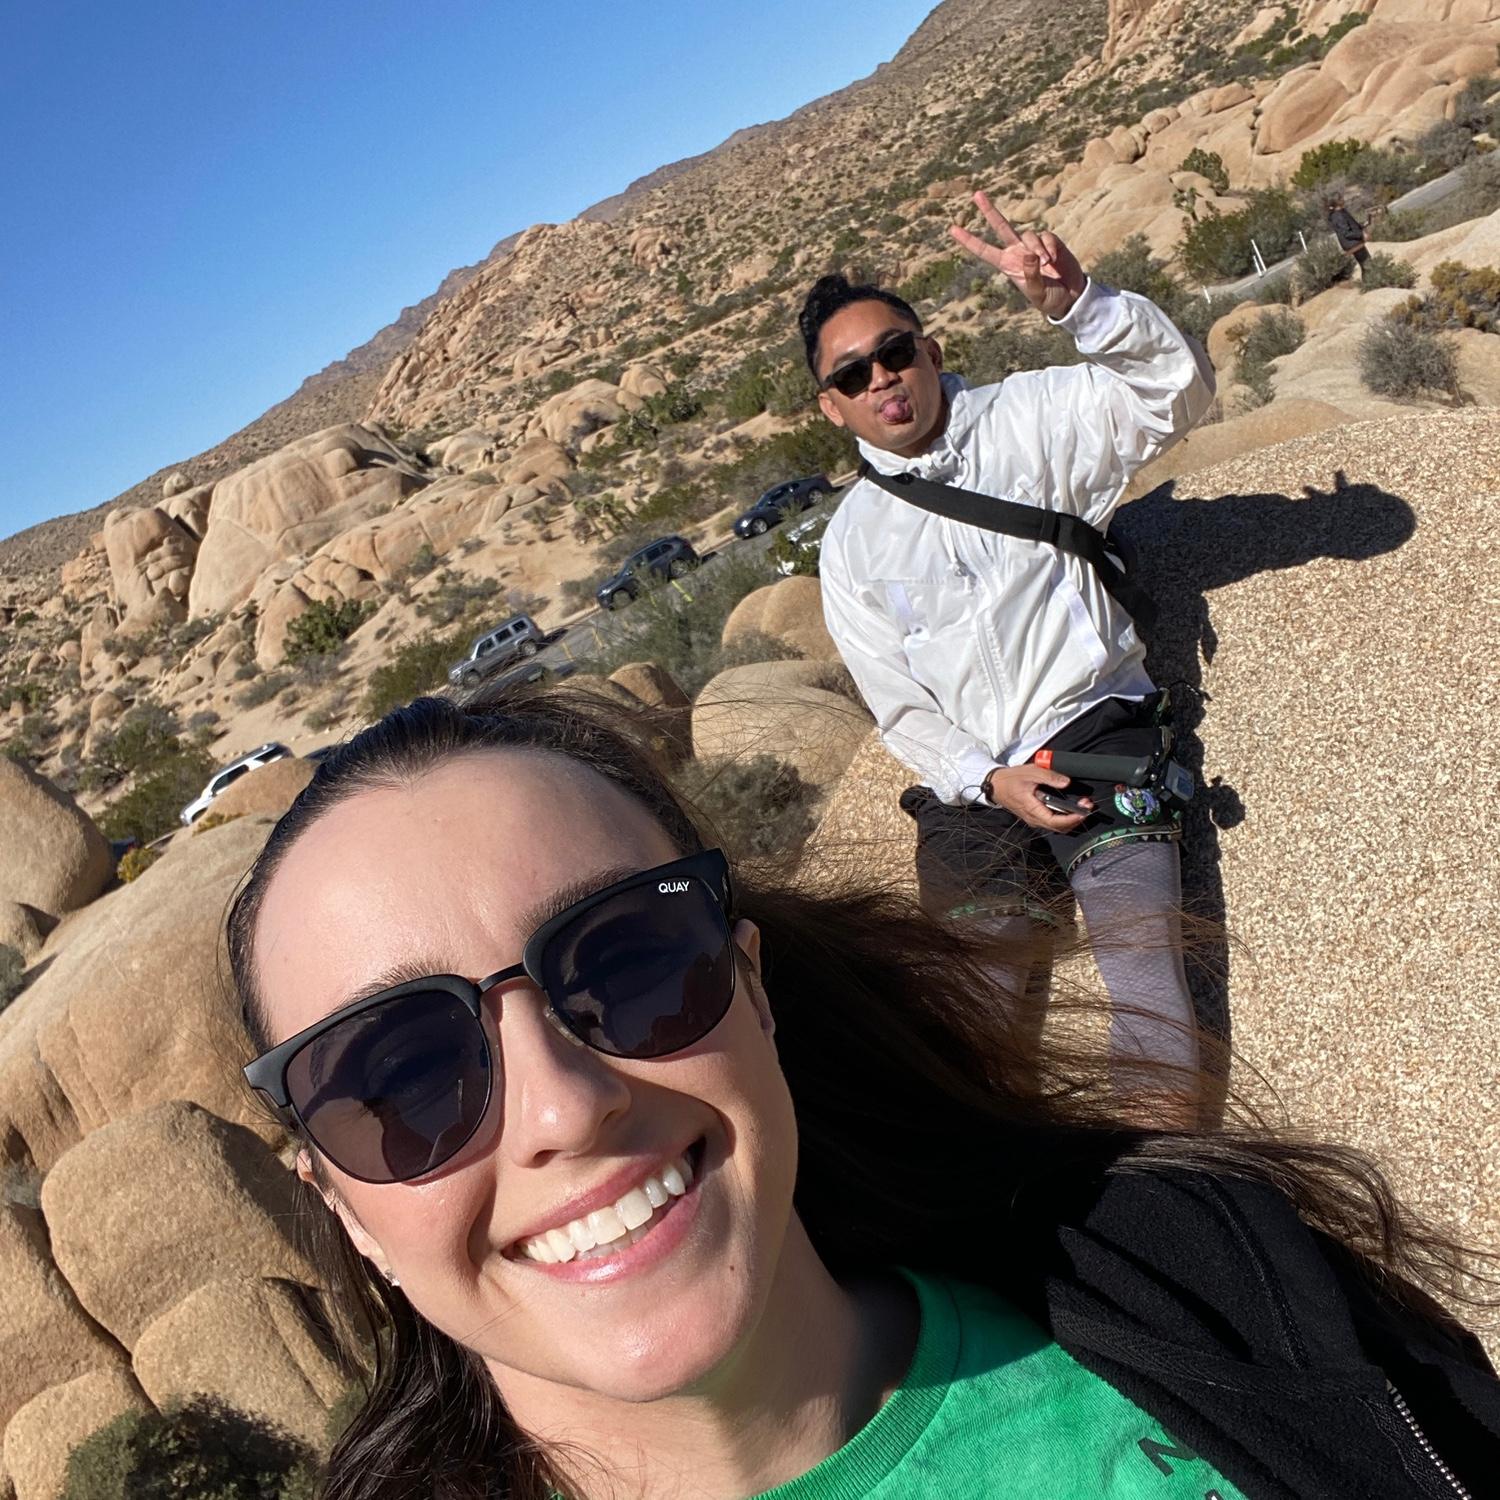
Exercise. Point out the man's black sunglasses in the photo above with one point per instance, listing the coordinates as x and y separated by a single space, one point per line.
897 353
394 1085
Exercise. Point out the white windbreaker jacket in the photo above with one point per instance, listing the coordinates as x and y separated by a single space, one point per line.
973 649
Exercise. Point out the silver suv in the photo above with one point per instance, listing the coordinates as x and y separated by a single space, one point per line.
518 637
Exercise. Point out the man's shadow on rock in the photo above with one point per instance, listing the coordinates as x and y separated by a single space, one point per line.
1185 549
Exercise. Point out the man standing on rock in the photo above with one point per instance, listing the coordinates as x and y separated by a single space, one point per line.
976 650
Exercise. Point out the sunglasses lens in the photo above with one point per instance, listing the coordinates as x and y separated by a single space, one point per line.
395 1090
897 353
648 972
851 379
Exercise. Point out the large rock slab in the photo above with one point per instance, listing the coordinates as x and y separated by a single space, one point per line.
268 791
253 1343
126 1012
51 855
789 611
131 1250
149 553
291 502
50 1426
45 1335
792 710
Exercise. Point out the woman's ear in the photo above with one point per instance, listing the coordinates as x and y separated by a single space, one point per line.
935 349
359 1236
747 940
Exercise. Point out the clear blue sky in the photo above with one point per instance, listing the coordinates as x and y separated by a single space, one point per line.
204 201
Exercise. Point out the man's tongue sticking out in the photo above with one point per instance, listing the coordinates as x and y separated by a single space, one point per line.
895 408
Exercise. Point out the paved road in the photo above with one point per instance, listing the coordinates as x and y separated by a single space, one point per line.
1413 202
603 628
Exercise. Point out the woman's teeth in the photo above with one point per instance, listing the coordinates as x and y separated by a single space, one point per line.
608 1230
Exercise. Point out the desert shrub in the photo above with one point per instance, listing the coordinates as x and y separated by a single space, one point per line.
680 629
416 668
774 380
1263 343
1276 289
455 597
1196 314
1382 270
1207 164
202 1449
991 355
1133 268
1399 359
1221 244
146 735
799 558
27 691
151 807
12 972
1444 146
1322 164
642 427
1461 297
757 805
135 862
213 820
423 561
262 688
1477 106
322 628
933 282
1320 266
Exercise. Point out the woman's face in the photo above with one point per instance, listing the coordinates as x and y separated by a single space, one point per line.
443 873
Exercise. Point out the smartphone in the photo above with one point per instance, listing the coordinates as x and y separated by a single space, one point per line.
1061 802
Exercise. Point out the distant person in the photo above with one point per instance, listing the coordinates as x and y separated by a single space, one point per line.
1349 232
974 650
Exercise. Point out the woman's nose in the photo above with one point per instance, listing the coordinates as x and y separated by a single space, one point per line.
558 1095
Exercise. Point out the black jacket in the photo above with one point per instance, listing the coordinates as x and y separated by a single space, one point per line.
1260 1345
1348 229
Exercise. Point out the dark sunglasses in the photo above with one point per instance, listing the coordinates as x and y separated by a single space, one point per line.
897 353
394 1085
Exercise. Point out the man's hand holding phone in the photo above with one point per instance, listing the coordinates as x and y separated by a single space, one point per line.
1022 790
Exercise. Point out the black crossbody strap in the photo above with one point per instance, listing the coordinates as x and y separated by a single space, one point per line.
1030 523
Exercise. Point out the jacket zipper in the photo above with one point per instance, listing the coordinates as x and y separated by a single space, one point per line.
1404 1411
971 579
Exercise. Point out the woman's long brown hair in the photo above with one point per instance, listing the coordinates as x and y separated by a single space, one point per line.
910 1082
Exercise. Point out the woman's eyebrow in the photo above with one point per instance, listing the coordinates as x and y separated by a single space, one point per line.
405 970
555 904
401 972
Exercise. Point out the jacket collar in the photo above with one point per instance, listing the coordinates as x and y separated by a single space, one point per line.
941 459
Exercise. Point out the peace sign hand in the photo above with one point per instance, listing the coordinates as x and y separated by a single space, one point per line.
1045 270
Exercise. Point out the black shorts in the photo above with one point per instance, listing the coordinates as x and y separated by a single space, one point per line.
977 857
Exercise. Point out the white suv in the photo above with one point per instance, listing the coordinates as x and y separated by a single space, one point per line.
231 773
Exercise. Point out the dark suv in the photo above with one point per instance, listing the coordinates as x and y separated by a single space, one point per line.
670 557
519 636
781 501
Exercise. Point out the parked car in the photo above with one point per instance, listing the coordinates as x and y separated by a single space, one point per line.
781 501
263 755
519 636
801 544
670 557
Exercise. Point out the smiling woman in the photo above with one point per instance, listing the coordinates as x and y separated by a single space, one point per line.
645 1177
